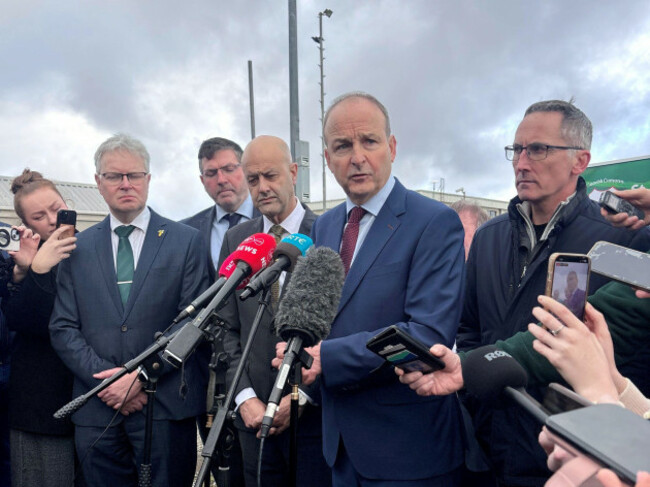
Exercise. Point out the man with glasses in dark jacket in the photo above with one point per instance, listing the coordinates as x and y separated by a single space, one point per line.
507 265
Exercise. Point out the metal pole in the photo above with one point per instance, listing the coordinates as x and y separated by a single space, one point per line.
251 96
294 127
322 101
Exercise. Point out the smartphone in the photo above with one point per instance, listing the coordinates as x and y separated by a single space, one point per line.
621 264
67 218
615 437
559 399
400 349
616 204
567 281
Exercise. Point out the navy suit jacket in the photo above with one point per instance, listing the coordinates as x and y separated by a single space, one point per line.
92 331
202 221
408 272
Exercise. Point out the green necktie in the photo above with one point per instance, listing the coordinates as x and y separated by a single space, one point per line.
277 231
125 263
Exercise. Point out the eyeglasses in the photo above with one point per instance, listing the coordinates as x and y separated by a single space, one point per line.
534 151
115 178
227 170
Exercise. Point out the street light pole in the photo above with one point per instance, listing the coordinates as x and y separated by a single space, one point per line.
319 40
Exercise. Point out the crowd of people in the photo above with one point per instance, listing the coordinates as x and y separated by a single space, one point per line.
75 309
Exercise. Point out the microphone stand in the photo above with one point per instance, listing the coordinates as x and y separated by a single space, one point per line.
150 367
225 413
160 344
296 373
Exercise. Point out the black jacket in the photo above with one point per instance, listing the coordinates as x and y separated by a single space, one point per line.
39 383
499 301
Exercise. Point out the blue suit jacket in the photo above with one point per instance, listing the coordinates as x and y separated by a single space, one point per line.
409 272
92 331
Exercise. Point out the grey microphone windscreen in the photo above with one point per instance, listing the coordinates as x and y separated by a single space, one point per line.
312 297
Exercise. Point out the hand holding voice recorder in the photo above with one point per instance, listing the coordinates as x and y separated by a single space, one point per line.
616 204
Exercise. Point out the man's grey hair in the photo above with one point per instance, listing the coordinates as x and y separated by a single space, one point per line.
211 146
357 94
472 207
576 127
121 142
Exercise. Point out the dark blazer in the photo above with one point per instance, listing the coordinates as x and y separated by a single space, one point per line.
202 221
408 272
92 331
239 316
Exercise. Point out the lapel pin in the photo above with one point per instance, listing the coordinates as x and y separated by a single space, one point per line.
160 233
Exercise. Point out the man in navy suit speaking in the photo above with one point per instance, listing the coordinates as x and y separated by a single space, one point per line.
405 258
128 278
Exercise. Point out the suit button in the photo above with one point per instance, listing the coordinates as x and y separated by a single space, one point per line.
124 328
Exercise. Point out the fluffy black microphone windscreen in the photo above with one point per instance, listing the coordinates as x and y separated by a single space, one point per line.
487 371
312 297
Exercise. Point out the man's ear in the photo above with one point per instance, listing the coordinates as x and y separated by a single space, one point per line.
581 162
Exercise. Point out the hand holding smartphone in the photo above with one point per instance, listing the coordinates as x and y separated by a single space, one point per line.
400 349
67 218
567 281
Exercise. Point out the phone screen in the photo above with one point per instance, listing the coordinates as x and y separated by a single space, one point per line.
626 265
570 281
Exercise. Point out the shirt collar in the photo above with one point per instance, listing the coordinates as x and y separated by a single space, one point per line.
291 224
245 209
374 204
141 221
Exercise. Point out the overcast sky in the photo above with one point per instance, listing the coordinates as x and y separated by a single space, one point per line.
456 77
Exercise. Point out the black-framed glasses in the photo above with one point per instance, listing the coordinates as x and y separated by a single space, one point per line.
534 151
227 170
134 178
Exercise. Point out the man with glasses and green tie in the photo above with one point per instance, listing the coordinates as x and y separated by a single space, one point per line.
130 276
508 259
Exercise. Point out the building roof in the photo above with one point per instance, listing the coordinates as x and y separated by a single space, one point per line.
82 197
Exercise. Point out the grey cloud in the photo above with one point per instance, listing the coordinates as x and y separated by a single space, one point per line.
455 76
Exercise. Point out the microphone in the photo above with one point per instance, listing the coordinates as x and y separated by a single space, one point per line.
251 255
305 314
225 271
285 256
490 373
607 434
